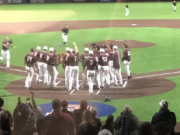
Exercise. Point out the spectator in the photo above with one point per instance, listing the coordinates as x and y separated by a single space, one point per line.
78 113
145 129
161 128
25 119
127 123
108 128
165 115
6 120
88 126
96 120
57 122
65 109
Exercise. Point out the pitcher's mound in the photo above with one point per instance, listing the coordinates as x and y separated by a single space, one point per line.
119 43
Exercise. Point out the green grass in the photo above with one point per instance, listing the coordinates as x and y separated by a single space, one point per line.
143 107
144 60
89 11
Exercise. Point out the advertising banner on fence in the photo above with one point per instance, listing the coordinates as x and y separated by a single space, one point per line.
14 1
107 0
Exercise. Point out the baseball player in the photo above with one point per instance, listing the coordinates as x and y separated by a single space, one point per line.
91 66
67 63
36 54
111 62
29 61
65 31
51 62
97 76
127 60
83 58
127 10
174 6
117 66
43 65
5 51
75 67
104 68
55 69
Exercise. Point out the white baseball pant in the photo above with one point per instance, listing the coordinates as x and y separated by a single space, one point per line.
75 77
126 66
174 7
43 71
51 72
64 37
30 74
117 76
104 75
68 79
127 12
6 56
84 78
111 69
90 79
36 71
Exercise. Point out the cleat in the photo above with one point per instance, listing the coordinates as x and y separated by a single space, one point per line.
55 84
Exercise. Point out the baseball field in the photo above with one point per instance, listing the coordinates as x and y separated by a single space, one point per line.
151 30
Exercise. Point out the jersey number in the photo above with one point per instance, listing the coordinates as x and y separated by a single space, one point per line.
47 58
75 58
41 55
91 62
129 53
29 58
104 59
35 54
96 59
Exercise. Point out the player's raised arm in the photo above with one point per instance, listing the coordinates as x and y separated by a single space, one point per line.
75 47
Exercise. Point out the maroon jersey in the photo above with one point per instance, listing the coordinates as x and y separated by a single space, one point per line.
97 56
111 55
104 60
30 60
116 60
91 63
50 59
42 56
75 59
126 55
83 57
36 54
70 60
5 48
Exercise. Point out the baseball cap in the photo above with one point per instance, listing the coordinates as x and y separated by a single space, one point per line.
70 50
86 49
115 47
90 52
38 48
102 50
45 47
51 49
64 103
1 102
163 104
67 49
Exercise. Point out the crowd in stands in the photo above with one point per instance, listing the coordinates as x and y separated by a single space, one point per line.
28 119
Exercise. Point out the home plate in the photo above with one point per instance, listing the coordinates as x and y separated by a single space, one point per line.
133 24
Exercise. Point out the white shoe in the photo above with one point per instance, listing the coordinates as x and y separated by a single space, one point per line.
55 84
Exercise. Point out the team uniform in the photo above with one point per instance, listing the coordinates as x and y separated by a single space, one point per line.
65 31
83 58
36 54
98 75
174 6
43 66
110 52
5 53
91 65
127 10
104 69
117 68
75 70
127 60
51 65
30 61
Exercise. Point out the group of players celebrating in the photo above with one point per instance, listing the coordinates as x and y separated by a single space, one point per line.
101 66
